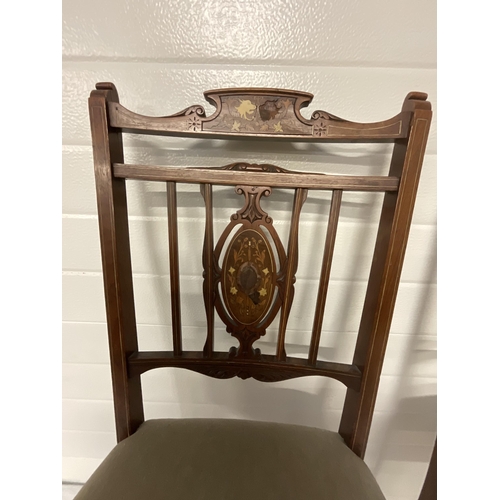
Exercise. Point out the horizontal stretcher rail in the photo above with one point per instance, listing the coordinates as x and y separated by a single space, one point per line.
271 179
221 365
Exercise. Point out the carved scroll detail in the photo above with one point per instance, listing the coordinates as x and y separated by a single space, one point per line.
245 373
255 167
319 115
197 109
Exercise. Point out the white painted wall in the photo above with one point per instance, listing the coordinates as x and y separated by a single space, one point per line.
360 59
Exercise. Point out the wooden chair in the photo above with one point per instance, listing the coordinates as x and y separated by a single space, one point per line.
248 279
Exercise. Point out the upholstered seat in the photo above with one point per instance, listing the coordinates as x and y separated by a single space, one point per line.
207 459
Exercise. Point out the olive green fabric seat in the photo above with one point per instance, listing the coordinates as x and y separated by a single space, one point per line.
217 459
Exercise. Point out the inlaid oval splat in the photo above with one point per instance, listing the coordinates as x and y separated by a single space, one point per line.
248 276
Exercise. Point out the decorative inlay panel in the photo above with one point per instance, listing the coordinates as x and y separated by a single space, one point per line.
249 276
257 114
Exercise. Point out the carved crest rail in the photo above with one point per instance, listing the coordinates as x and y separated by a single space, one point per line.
243 112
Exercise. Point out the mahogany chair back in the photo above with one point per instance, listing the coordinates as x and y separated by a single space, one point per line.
248 274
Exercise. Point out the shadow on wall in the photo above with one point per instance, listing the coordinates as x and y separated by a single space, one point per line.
417 415
410 433
252 400
210 152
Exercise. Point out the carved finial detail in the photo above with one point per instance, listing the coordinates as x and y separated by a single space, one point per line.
252 210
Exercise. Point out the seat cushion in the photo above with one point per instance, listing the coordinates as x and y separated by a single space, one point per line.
217 459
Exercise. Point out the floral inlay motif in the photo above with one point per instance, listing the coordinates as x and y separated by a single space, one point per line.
278 127
194 124
248 276
319 129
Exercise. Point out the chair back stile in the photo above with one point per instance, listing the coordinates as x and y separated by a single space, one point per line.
390 246
116 263
248 275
